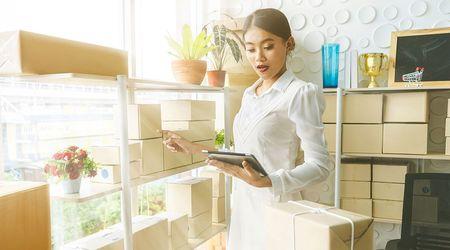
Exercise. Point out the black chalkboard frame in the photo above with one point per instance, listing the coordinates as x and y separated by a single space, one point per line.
393 51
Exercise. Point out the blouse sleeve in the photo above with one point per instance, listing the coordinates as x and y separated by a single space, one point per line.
305 110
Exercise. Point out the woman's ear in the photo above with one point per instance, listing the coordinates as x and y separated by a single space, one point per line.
290 44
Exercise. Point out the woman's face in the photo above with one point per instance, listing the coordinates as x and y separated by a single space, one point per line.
266 52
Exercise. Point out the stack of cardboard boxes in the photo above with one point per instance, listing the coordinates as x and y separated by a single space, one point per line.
177 230
329 121
355 188
218 193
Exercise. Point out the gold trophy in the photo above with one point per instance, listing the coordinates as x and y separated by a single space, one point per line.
372 64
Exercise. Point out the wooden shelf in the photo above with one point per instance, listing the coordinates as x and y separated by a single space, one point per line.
90 190
399 156
207 235
387 89
391 221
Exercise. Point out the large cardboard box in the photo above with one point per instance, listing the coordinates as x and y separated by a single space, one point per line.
402 138
218 209
314 230
329 114
425 209
360 206
330 136
389 173
218 181
144 121
202 157
199 223
177 229
192 130
355 189
110 154
24 215
25 53
387 209
356 172
112 173
152 156
175 159
188 110
192 196
362 108
388 191
362 138
406 107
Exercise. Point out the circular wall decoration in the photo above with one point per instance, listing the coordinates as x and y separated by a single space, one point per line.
315 66
256 4
318 20
442 24
387 227
325 187
297 64
444 6
437 135
344 43
382 35
367 14
437 105
418 8
406 24
332 31
390 12
298 21
364 42
313 41
315 3
376 234
298 2
342 16
276 4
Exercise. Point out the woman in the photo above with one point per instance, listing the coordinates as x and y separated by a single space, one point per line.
277 112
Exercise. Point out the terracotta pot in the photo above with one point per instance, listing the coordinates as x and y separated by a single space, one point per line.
189 71
216 78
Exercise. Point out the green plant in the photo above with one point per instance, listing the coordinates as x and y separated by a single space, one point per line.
224 41
190 48
220 138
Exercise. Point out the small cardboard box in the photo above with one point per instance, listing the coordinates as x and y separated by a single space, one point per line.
152 156
111 174
355 189
175 159
144 121
389 173
388 191
110 154
199 223
177 228
406 107
192 196
218 209
362 108
25 53
387 209
359 206
330 136
356 172
202 157
218 181
425 209
402 138
329 114
315 230
188 110
192 130
362 138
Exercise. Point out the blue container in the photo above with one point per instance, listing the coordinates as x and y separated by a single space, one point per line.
330 65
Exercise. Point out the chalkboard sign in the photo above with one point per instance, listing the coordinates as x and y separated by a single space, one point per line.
420 55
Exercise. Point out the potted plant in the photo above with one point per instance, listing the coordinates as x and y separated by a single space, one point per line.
219 140
68 166
224 41
189 68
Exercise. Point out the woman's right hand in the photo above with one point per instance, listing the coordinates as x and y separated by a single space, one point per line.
175 143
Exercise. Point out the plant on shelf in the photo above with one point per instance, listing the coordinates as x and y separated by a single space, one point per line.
68 166
189 68
220 139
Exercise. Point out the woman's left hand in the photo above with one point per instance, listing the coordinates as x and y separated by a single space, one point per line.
247 174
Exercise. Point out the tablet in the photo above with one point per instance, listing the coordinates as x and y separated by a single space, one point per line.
236 159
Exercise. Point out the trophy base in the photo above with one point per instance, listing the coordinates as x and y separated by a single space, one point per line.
372 85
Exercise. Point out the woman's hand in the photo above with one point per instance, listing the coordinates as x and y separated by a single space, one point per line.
247 174
176 143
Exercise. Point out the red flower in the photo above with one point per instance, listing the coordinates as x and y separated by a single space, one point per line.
82 154
58 156
68 155
74 175
92 173
73 148
47 169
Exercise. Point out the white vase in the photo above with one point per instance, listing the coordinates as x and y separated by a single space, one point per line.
71 186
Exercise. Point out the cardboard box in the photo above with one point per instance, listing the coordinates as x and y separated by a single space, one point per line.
448 108
359 206
144 121
329 114
356 172
402 138
152 156
362 138
315 230
447 127
199 223
362 108
202 157
406 107
110 154
447 145
25 215
218 209
388 191
26 53
173 160
192 196
111 174
177 229
387 209
218 181
192 130
355 189
330 136
188 110
389 173
425 209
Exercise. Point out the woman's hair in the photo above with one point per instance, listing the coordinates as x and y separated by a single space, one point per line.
270 20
